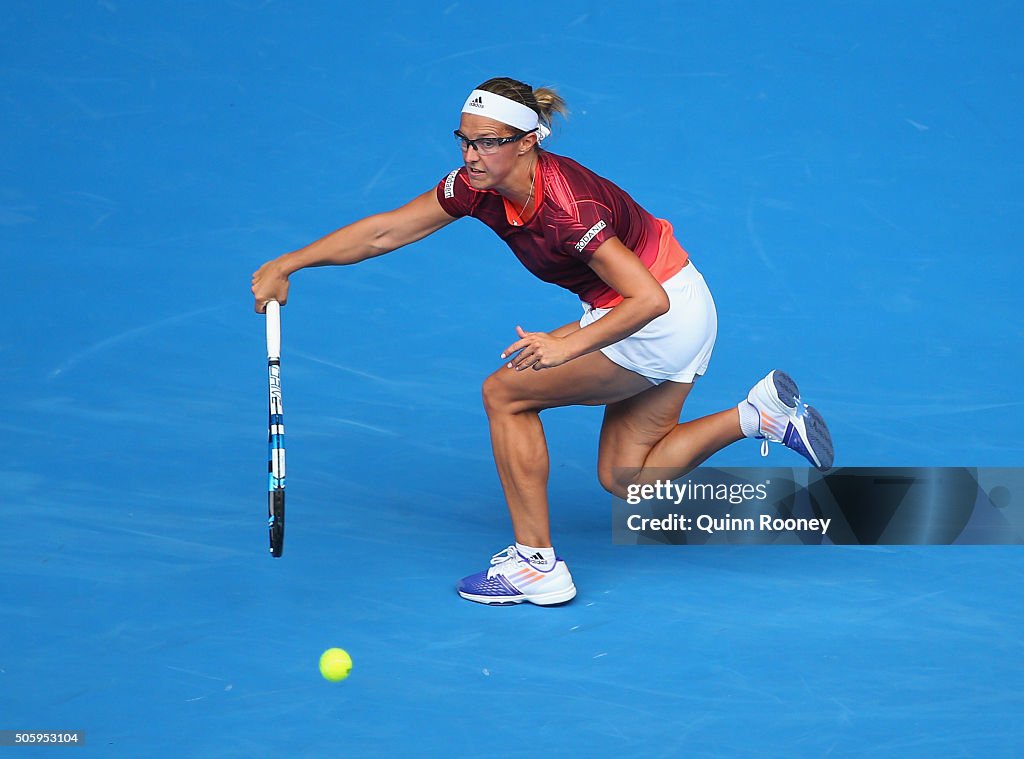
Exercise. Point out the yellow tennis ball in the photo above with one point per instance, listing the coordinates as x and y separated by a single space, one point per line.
335 664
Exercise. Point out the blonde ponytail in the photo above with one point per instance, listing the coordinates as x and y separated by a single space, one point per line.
549 103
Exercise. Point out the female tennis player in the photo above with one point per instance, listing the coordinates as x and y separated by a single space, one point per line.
648 327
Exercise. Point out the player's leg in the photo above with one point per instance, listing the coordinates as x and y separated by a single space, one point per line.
513 401
642 438
530 570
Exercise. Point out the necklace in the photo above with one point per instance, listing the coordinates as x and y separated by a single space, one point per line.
519 214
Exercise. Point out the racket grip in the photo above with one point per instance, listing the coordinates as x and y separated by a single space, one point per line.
273 329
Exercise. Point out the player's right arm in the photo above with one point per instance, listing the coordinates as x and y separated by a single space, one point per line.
367 238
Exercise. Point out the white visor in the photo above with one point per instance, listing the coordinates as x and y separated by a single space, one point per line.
507 111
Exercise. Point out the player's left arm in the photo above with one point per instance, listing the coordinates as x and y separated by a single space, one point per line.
643 299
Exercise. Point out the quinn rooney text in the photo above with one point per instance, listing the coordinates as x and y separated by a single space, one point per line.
711 525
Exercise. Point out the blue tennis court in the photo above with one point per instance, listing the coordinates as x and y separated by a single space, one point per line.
846 176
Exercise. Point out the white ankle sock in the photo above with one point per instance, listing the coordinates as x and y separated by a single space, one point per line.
542 558
750 422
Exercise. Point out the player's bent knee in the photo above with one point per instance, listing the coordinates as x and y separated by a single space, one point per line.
496 395
502 394
608 483
616 480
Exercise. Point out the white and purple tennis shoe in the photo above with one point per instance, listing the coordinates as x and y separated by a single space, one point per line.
784 418
512 579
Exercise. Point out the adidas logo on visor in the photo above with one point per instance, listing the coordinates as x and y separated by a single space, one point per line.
477 102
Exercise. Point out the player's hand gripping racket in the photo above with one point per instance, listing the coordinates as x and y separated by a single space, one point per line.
275 464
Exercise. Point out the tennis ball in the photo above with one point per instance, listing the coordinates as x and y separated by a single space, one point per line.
335 664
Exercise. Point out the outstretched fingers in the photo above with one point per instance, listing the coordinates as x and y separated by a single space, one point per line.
536 350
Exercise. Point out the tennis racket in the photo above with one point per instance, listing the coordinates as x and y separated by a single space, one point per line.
275 433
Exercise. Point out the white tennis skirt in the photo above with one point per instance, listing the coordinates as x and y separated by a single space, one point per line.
677 345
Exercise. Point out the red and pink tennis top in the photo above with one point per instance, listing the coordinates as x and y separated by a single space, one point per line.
575 212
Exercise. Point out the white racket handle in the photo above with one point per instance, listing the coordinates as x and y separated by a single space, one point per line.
273 330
